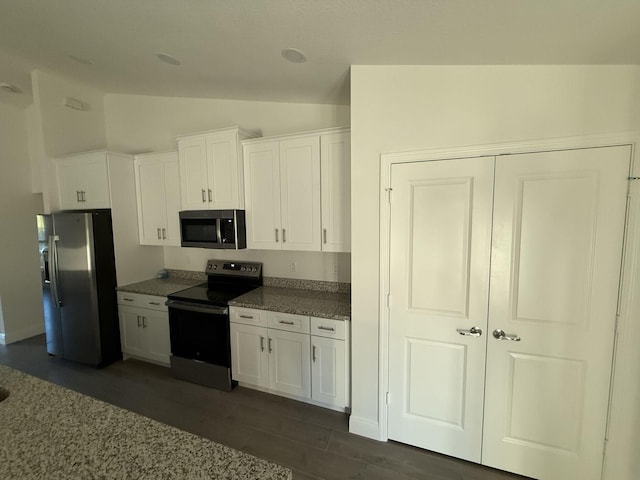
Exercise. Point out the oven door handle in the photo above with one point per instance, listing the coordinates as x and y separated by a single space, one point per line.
196 308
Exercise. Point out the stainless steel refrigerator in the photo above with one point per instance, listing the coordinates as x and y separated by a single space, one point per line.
79 286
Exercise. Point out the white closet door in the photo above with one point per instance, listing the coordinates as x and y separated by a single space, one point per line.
439 276
557 241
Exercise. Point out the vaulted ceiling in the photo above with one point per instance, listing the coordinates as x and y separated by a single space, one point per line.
232 48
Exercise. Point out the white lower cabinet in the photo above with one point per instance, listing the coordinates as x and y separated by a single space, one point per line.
279 353
289 363
144 327
249 355
327 371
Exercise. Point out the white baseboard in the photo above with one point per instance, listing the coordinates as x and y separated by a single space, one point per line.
26 331
365 428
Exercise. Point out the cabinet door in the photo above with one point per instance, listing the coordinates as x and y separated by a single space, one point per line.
262 195
300 193
83 182
155 326
328 371
134 340
249 355
172 197
290 363
150 184
335 169
193 173
223 176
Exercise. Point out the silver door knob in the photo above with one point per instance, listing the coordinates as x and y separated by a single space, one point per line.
472 332
500 335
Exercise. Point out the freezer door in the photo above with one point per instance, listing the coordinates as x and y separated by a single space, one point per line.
76 287
53 328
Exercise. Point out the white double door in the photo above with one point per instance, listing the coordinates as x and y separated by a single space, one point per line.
504 275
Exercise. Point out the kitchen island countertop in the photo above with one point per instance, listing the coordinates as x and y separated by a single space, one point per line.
51 432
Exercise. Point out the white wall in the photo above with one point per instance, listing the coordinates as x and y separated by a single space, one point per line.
137 124
56 130
401 108
20 287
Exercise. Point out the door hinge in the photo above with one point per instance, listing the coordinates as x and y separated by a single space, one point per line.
615 328
388 398
388 300
388 190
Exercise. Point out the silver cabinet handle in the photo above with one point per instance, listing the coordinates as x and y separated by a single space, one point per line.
159 237
472 332
313 355
286 322
204 198
144 323
277 240
164 233
500 335
270 349
128 299
284 238
328 329
246 316
154 303
261 343
82 192
324 234
210 196
78 196
138 317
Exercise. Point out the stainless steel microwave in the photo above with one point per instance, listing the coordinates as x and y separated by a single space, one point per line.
213 229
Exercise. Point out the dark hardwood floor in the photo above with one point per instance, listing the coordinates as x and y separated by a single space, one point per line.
312 441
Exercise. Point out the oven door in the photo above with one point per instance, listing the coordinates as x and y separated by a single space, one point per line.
200 332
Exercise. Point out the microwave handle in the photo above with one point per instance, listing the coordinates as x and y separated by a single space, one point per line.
219 230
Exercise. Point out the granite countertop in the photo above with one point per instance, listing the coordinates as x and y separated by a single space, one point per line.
161 287
315 303
50 432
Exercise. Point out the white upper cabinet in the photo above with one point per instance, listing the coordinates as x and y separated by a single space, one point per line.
300 193
335 168
83 181
158 196
211 172
262 195
284 203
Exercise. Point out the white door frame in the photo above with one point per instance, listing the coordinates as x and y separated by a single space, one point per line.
628 307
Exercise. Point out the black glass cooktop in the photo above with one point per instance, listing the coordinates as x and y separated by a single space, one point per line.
218 296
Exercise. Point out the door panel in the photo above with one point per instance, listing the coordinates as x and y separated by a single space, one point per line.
300 193
439 276
77 287
222 152
262 195
290 362
249 358
193 173
439 246
557 242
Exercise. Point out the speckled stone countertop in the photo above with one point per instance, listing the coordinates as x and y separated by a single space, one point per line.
161 287
47 431
315 303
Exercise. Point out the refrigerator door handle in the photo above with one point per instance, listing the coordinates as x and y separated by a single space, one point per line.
53 269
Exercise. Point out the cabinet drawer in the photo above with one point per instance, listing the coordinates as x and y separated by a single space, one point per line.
326 327
248 316
288 321
142 301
